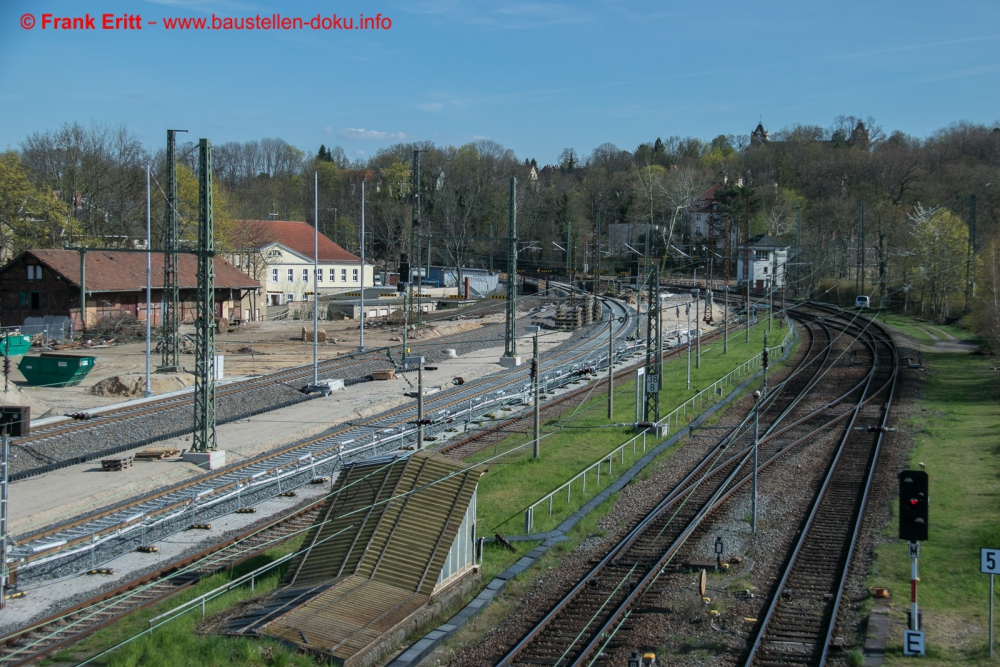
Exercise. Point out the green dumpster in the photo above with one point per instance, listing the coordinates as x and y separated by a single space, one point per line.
14 344
51 369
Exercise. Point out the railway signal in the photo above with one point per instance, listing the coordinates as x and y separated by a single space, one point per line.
913 517
913 505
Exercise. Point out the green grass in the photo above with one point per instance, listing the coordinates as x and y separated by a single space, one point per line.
919 330
956 426
179 643
515 479
578 438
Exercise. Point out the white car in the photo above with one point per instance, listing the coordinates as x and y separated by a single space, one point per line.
862 302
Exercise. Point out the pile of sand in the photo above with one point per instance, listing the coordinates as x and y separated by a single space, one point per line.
132 386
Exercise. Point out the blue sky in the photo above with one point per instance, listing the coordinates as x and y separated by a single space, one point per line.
536 77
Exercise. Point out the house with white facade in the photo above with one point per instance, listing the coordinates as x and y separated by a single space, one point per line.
288 275
767 266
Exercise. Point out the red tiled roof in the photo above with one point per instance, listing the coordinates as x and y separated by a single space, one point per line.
109 271
298 236
703 203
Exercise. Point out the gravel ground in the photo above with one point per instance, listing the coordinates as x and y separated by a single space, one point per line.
896 447
52 597
672 619
129 433
482 644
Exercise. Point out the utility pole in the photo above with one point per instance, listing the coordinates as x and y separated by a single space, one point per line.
746 262
4 459
861 247
315 278
773 286
725 322
970 258
147 392
414 228
536 381
798 247
569 251
361 336
654 349
420 403
171 288
510 334
687 332
204 378
611 366
756 441
697 320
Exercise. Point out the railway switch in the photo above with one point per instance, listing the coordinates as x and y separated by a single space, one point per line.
913 505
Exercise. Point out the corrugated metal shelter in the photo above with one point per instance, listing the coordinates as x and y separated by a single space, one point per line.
396 530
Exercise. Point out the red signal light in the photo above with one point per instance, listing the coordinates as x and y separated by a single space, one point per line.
914 501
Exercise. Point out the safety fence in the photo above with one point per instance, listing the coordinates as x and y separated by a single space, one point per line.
703 399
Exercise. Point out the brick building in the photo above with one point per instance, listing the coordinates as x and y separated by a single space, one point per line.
37 283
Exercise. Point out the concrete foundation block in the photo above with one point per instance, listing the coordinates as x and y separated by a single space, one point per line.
206 460
510 362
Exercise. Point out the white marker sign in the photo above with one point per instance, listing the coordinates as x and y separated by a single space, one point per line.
913 642
989 561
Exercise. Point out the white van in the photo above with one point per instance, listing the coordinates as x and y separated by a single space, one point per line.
862 302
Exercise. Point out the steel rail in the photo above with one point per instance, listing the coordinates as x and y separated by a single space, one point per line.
804 535
679 491
494 385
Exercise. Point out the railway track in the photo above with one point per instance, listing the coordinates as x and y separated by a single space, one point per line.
291 376
73 546
800 620
70 626
580 626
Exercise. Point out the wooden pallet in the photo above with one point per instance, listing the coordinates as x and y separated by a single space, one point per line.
116 464
158 453
389 374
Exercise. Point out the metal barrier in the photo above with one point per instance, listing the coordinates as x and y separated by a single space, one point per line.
698 400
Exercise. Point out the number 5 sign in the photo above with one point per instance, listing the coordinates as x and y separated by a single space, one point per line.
989 561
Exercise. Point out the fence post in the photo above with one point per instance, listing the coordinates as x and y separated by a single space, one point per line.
585 482
550 503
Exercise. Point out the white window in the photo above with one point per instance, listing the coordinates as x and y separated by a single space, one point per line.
274 275
305 275
333 275
355 275
289 297
319 275
291 275
34 272
343 275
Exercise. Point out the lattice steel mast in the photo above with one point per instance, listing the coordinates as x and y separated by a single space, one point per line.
654 349
510 334
204 377
171 289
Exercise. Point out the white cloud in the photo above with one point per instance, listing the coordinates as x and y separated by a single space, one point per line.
362 133
359 153
477 137
328 128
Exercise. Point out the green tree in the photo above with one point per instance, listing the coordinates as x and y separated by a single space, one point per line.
29 217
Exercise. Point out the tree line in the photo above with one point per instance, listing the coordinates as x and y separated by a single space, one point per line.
856 205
